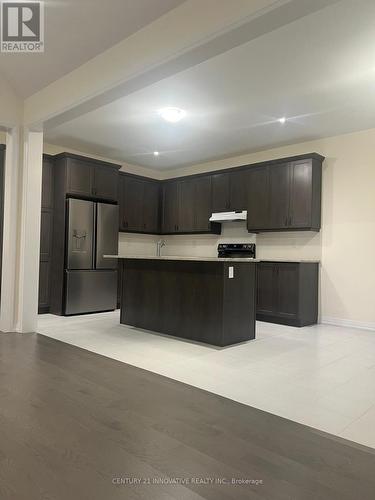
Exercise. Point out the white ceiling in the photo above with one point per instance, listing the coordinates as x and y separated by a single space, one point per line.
318 71
76 31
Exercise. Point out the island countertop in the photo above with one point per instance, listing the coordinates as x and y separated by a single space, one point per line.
180 257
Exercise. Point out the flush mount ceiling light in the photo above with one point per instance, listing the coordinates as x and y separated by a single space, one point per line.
282 120
172 115
156 153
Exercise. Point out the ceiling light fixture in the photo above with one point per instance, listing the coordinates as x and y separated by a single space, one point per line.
172 115
156 153
282 120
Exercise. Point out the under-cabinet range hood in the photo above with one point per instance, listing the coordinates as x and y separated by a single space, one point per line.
237 216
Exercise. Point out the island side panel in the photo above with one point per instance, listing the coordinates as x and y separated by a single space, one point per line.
179 298
140 301
239 304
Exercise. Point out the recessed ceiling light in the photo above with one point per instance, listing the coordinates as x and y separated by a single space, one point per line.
282 120
172 115
156 153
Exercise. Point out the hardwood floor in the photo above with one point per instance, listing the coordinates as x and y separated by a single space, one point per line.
75 425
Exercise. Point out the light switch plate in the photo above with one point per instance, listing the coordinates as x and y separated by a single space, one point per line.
231 272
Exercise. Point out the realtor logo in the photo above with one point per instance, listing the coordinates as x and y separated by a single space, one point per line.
22 27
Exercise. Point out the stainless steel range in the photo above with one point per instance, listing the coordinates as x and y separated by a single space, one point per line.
237 250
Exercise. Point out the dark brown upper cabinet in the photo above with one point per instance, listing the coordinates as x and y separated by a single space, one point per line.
257 184
285 196
305 195
238 193
203 208
229 191
220 192
105 183
187 206
151 207
279 195
139 204
170 203
47 182
91 179
79 177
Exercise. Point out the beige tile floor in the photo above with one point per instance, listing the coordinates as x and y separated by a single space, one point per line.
322 376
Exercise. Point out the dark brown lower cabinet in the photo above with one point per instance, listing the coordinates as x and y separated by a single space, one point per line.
288 293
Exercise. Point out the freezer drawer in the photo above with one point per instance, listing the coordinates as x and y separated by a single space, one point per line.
90 291
80 234
106 235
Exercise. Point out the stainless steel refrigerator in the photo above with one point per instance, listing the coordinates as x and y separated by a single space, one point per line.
91 279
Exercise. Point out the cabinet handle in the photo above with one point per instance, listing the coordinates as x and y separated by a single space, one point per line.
286 221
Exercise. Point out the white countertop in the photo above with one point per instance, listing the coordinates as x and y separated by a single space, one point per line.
179 257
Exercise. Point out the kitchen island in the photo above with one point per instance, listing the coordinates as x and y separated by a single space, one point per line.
210 300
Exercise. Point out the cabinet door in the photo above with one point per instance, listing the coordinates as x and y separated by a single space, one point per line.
151 202
300 214
47 183
131 204
79 177
203 209
279 196
187 209
287 290
46 228
220 192
238 190
105 183
170 207
257 184
266 295
44 286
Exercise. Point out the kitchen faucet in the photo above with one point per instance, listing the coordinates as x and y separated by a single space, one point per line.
160 245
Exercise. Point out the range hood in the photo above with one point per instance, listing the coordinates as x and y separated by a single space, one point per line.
237 216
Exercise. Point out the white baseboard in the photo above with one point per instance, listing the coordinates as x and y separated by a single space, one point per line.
348 323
